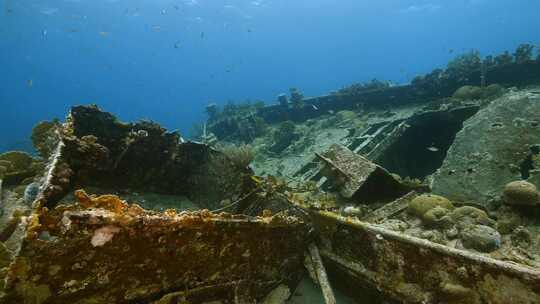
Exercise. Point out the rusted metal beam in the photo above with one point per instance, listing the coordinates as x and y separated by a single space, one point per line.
322 277
413 270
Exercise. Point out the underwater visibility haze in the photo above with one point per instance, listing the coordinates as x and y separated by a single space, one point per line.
269 151
165 60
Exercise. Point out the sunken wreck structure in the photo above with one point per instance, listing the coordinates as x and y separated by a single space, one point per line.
425 193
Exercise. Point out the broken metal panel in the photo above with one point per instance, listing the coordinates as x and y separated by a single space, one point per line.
357 177
347 170
106 251
388 139
309 170
379 142
413 270
374 140
358 143
362 145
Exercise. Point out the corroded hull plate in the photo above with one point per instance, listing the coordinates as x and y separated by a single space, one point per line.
105 251
413 270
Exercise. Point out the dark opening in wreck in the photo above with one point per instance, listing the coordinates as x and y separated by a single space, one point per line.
422 147
528 164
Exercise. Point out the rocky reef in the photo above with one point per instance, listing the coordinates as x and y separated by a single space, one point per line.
495 147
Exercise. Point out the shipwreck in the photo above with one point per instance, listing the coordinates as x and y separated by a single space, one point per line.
132 213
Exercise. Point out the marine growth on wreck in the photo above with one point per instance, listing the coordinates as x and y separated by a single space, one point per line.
422 190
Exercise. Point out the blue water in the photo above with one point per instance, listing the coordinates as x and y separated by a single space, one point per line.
165 60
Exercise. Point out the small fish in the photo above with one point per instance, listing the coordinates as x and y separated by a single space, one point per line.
432 149
352 211
450 51
142 133
103 34
163 12
177 45
315 107
49 11
330 112
44 33
30 83
156 28
202 35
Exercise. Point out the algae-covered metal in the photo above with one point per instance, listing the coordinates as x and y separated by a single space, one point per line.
356 176
412 270
96 149
102 250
